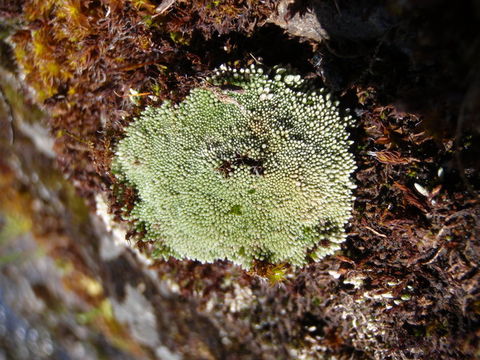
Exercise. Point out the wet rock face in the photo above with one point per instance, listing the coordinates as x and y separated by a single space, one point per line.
61 296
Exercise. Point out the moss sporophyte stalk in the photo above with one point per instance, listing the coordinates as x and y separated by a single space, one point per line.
253 166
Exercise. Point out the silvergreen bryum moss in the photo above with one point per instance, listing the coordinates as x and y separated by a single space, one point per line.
254 166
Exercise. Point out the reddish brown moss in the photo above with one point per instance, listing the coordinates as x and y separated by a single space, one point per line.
83 57
392 238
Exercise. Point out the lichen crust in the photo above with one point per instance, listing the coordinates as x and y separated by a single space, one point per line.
253 166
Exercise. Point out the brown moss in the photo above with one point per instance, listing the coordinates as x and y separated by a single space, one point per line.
397 235
83 57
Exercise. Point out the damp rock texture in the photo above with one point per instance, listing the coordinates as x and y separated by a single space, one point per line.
253 166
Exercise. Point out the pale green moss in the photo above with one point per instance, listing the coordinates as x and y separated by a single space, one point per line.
255 170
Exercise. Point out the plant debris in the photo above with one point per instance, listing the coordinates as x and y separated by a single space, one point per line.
406 283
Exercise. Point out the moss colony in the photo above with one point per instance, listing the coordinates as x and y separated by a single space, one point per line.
252 167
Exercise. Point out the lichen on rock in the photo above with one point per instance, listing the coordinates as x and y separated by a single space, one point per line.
254 166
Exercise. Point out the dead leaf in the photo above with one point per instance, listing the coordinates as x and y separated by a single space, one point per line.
410 197
392 157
